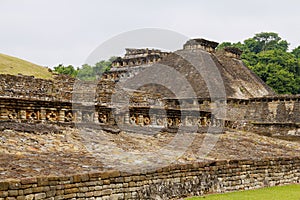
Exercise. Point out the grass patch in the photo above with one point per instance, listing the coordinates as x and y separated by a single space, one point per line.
288 192
12 65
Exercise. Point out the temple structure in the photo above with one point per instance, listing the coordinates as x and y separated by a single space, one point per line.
234 89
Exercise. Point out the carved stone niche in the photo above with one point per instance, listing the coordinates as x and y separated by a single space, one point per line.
3 113
202 44
52 115
87 117
32 115
103 118
233 52
69 116
78 116
12 114
133 120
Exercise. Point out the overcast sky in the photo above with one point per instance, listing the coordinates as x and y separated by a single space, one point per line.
49 32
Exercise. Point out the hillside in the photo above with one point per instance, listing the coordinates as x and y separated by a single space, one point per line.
12 65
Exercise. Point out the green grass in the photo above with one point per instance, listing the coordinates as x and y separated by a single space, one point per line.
12 65
288 192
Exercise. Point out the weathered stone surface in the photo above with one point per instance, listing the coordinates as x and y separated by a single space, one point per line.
4 185
39 138
40 196
177 180
3 194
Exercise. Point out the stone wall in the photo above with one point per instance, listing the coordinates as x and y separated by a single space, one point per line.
287 131
64 99
138 57
168 182
29 87
277 109
279 117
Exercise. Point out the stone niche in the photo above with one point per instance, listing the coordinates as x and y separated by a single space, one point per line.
233 52
136 57
202 44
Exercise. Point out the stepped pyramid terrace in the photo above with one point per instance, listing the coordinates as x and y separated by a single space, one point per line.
157 125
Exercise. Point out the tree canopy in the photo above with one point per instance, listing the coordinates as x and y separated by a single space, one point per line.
268 56
68 70
86 72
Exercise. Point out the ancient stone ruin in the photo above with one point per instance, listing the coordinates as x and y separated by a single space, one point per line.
25 98
115 103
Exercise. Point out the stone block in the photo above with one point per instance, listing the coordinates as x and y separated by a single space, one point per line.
27 181
117 196
95 176
14 185
28 191
69 196
20 197
97 193
127 179
58 197
89 194
3 194
4 186
60 192
110 174
85 177
51 193
98 187
83 189
29 197
21 192
119 180
41 189
71 190
13 193
132 184
81 195
76 179
107 192
39 196
43 181
10 198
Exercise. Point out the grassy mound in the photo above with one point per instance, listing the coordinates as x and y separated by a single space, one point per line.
288 192
12 65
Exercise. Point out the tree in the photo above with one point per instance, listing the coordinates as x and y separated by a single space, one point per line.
296 52
103 66
281 58
252 45
269 41
69 70
281 80
86 72
266 54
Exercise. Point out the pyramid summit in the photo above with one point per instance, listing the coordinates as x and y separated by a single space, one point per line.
195 62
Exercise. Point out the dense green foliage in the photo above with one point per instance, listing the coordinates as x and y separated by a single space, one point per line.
86 72
288 192
267 55
69 70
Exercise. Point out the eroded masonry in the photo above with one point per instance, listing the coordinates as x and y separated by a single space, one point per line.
245 101
137 106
